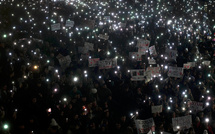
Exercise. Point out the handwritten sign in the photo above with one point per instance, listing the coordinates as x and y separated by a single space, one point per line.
70 23
175 72
65 61
195 106
89 46
135 56
93 62
155 71
82 50
143 46
183 122
107 63
152 61
156 109
55 27
192 64
104 37
207 63
172 54
137 74
186 66
144 126
152 51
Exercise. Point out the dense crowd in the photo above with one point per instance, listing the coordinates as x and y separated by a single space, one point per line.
38 95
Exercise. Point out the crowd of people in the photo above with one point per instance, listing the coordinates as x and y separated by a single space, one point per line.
38 95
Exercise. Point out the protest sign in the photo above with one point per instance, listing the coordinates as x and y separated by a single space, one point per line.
148 75
55 27
155 71
107 63
152 61
183 122
104 37
186 66
135 56
192 64
70 23
65 61
207 63
195 106
156 109
144 126
143 46
137 74
93 62
152 51
82 50
171 54
89 46
175 72
106 18
122 25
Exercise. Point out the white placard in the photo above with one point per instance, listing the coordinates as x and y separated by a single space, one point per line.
152 51
107 64
155 71
143 46
89 46
156 109
175 72
137 74
82 50
65 61
184 122
192 64
171 54
152 61
93 62
186 66
69 23
195 106
207 63
135 56
55 27
104 37
144 126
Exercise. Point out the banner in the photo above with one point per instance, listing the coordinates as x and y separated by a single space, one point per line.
183 122
152 61
152 51
156 109
89 46
70 23
137 74
135 56
155 71
65 61
104 37
55 27
195 106
93 62
171 54
144 126
175 72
